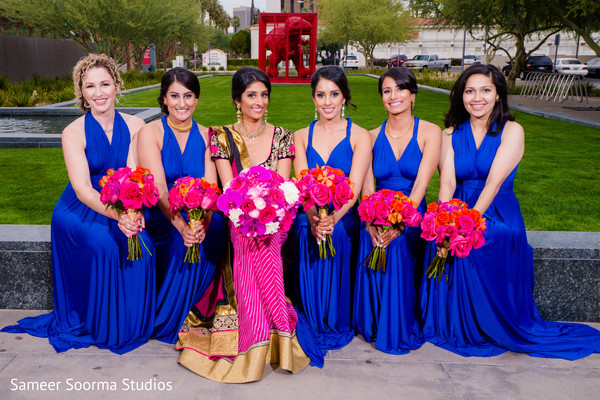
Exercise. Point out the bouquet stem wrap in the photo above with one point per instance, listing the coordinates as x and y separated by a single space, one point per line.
133 243
327 243
195 216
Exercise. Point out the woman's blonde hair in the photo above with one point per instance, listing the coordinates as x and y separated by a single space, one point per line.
93 61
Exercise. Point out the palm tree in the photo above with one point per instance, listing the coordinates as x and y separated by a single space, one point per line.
235 22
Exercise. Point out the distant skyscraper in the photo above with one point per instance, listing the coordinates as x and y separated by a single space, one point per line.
296 6
243 13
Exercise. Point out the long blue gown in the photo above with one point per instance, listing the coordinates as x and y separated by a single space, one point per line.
323 288
384 302
100 298
487 305
181 284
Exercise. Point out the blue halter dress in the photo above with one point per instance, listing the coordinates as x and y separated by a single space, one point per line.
100 298
181 284
486 307
384 302
323 288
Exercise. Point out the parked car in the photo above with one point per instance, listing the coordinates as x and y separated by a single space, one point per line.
349 62
537 63
593 67
571 66
471 59
396 61
430 61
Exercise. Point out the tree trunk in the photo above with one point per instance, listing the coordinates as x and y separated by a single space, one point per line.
17 28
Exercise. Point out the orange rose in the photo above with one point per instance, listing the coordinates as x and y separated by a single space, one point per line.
442 218
432 207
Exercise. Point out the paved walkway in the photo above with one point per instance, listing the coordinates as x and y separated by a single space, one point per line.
586 113
357 371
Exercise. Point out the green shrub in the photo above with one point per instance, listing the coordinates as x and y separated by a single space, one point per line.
236 63
3 81
18 98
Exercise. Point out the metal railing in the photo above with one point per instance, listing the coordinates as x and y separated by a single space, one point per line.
555 87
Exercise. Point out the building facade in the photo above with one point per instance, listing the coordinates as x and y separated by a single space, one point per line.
243 13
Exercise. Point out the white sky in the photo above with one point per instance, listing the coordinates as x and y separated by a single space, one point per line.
228 5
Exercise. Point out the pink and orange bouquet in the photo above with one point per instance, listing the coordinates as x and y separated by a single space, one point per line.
455 228
260 202
196 196
390 210
126 190
319 187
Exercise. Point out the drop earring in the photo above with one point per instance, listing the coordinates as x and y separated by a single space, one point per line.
343 109
412 104
316 113
238 114
265 115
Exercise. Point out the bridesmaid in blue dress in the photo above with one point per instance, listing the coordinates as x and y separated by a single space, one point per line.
100 298
486 307
323 292
406 153
173 147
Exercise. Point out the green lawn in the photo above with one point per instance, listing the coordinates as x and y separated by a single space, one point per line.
555 183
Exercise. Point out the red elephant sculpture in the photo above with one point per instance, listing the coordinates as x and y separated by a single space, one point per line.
275 41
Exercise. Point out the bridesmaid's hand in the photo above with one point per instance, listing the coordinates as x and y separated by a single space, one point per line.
131 227
322 226
203 227
189 236
389 235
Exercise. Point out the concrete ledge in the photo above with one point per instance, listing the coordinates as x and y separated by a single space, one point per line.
567 271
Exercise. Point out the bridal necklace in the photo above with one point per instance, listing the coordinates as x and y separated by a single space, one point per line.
406 132
179 128
251 135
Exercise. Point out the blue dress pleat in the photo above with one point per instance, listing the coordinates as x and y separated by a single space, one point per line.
487 307
323 288
385 302
181 284
100 298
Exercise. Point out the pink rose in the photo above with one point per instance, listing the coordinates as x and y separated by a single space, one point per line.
276 179
410 216
235 184
175 200
286 222
110 193
193 198
150 194
343 194
382 212
210 199
428 226
460 246
131 196
466 224
121 174
278 197
414 219
446 231
248 205
267 215
320 194
366 211
477 239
